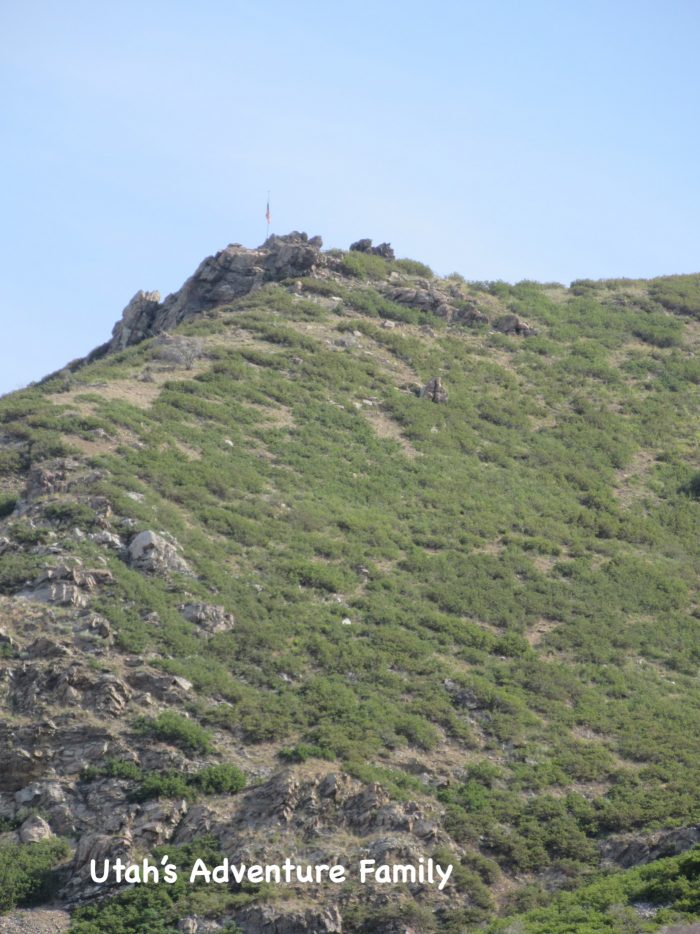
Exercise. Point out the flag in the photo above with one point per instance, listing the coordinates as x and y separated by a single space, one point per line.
267 212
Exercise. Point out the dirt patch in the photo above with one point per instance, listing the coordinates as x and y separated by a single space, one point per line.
542 627
386 427
631 481
279 416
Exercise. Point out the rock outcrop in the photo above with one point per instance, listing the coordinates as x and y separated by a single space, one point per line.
512 324
365 246
633 850
220 279
434 390
212 619
150 552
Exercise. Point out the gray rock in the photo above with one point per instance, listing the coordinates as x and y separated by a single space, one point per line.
434 390
66 585
34 829
512 324
150 552
270 919
106 538
365 246
630 850
424 298
49 477
137 319
211 618
219 280
61 594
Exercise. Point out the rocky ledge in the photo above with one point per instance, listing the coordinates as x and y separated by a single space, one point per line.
230 274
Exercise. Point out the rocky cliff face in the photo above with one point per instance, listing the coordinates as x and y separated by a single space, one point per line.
220 279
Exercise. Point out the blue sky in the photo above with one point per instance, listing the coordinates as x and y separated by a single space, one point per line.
503 140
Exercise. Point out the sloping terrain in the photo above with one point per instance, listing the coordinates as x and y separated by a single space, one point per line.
263 595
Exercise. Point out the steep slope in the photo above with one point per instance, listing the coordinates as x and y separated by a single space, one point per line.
457 622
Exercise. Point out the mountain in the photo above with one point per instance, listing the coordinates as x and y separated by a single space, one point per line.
326 558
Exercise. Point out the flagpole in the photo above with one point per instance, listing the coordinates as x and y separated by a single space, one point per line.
267 216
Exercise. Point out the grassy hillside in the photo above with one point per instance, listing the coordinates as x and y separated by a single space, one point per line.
488 605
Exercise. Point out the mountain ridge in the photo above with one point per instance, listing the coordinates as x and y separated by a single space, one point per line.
324 555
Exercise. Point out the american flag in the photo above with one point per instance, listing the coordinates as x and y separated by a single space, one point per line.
267 211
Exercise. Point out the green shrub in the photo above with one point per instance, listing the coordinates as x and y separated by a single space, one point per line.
22 533
164 785
219 779
302 752
70 515
176 729
364 265
16 570
12 462
413 268
27 875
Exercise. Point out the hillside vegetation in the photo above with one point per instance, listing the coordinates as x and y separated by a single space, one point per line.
485 610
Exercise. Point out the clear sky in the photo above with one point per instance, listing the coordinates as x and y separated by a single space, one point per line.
503 139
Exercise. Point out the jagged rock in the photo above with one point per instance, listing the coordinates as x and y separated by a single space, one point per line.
34 829
75 685
425 298
468 313
365 246
219 280
49 477
41 750
106 538
269 919
66 585
61 594
98 626
195 925
211 618
434 390
157 820
632 850
512 324
99 846
46 648
158 685
150 552
137 319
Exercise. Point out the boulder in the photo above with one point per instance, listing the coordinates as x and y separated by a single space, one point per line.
150 552
434 390
512 324
365 246
34 829
211 618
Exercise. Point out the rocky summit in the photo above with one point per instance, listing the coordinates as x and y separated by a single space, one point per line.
327 559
